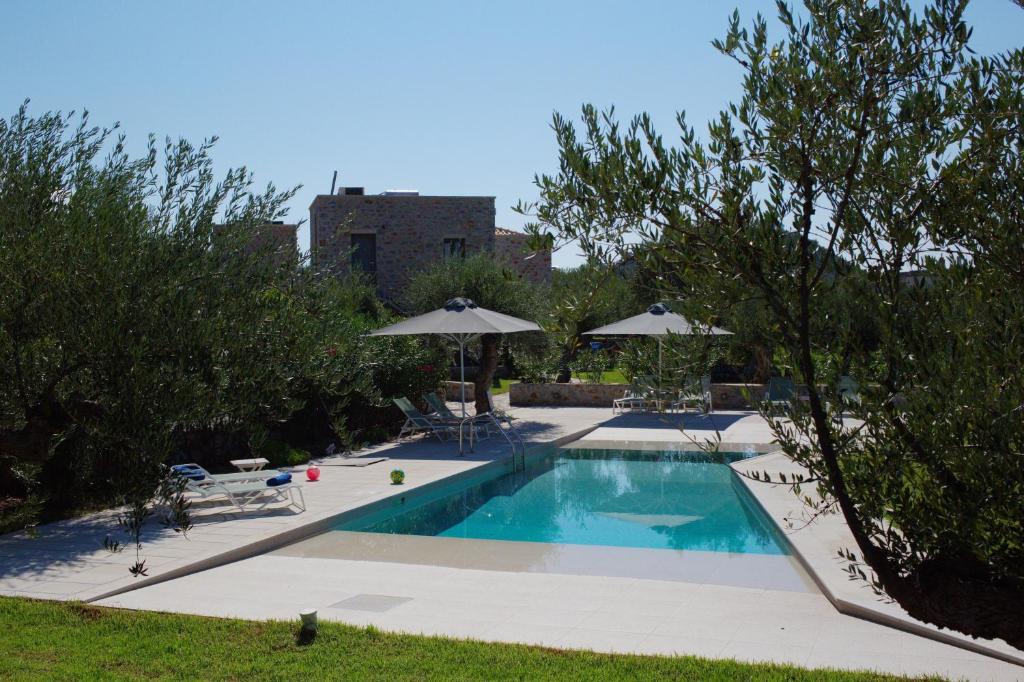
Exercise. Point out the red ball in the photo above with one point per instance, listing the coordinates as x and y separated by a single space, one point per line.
313 473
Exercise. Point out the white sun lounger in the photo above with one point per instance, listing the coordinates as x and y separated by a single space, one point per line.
247 495
240 477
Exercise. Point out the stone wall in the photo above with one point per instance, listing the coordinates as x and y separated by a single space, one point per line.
514 249
579 395
410 231
730 396
723 396
453 392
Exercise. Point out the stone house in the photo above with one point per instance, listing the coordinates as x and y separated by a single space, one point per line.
393 235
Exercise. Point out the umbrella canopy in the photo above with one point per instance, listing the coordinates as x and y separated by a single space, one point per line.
459 316
659 320
460 320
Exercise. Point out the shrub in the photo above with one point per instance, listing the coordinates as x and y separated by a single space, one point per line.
280 454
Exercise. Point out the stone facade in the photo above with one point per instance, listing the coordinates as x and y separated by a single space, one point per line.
514 249
408 233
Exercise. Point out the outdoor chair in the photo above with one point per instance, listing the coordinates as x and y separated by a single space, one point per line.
500 423
705 387
441 410
442 413
781 391
198 474
500 415
689 393
247 495
652 393
632 399
848 390
416 421
694 391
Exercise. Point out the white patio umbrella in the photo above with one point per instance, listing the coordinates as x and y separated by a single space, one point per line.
659 321
461 321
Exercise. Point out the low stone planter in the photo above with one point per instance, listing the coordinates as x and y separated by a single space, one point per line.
452 392
730 396
579 395
723 396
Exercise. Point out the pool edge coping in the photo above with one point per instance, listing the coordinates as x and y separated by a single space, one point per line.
863 611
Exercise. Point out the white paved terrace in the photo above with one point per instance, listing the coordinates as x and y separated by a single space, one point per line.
67 560
602 613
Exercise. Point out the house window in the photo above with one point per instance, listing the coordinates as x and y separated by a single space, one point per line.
364 253
454 247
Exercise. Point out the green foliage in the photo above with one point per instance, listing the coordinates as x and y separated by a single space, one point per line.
138 321
537 362
638 357
69 641
592 364
584 298
862 203
489 283
280 454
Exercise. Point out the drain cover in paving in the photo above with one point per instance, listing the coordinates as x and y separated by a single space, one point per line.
370 602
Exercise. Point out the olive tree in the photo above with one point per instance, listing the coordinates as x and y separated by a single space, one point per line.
488 283
871 159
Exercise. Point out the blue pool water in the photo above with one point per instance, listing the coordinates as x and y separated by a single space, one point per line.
601 497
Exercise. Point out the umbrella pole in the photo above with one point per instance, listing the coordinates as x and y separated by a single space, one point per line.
462 388
462 372
659 364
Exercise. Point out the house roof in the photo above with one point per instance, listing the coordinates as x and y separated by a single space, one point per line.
505 232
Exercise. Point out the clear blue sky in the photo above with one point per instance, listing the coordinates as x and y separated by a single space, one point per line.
443 97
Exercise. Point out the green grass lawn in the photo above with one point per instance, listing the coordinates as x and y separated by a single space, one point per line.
68 641
505 383
610 377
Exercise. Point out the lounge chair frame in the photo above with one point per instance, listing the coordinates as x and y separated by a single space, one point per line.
248 495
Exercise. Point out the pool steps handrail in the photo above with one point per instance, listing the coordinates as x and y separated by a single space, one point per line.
510 432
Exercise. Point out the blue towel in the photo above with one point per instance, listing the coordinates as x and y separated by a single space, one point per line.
280 479
189 471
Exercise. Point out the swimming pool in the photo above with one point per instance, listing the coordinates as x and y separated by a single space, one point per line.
612 498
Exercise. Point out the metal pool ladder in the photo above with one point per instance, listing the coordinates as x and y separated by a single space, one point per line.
511 435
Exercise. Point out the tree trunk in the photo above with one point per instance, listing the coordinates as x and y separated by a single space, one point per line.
485 370
564 371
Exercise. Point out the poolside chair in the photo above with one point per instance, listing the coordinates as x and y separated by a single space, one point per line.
247 495
416 421
848 390
689 393
632 399
500 415
848 393
200 475
654 395
781 391
441 410
694 391
500 423
443 414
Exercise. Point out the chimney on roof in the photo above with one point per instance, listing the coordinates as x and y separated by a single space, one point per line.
350 191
